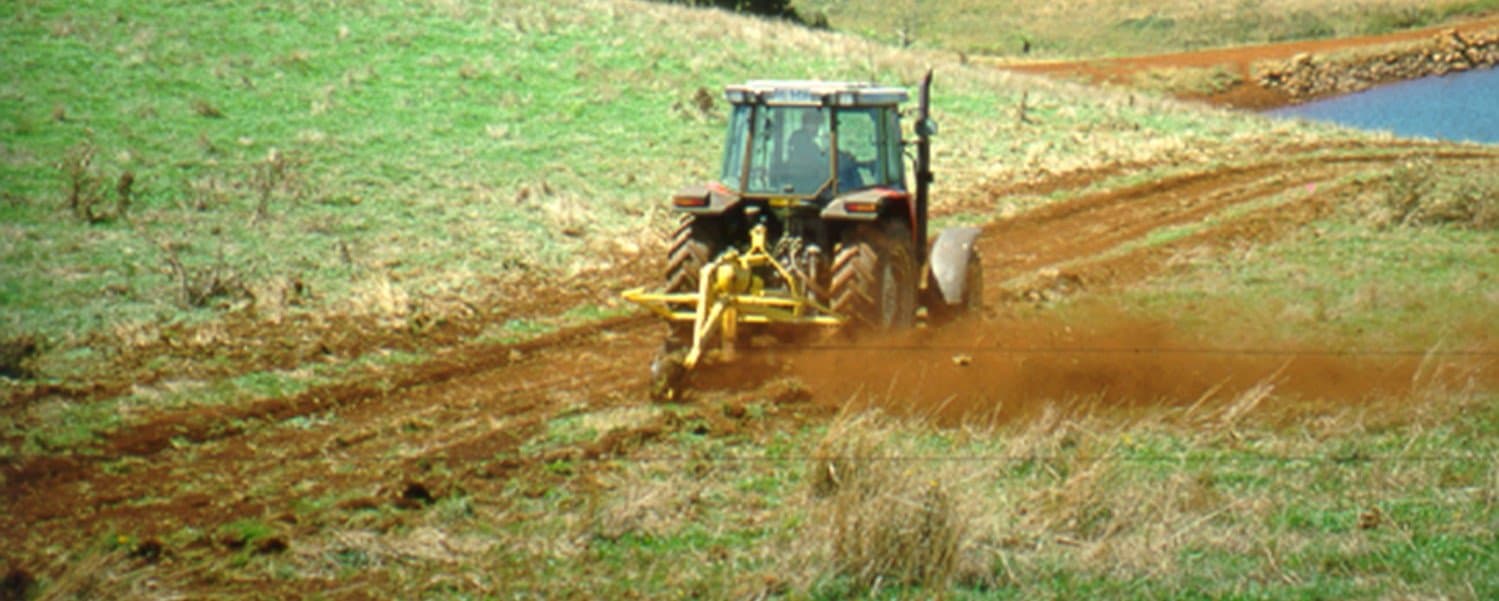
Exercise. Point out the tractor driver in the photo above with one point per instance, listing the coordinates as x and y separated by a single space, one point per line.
806 159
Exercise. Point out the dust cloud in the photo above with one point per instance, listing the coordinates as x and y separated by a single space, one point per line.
997 370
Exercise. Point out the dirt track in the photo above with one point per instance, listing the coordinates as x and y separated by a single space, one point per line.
462 421
1239 60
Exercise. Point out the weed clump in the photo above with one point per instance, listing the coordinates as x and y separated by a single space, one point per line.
1419 193
85 189
278 171
888 520
198 286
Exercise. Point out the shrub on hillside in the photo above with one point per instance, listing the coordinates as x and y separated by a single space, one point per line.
769 8
1419 193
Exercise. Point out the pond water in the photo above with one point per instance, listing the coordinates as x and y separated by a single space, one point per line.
1460 107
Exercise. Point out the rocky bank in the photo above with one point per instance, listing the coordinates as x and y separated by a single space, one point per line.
1305 76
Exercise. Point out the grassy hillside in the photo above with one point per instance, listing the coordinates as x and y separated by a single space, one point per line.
382 157
375 157
1084 28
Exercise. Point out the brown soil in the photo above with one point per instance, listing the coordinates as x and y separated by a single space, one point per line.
1247 94
474 418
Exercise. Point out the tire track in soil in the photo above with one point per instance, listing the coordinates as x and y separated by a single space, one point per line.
372 446
459 420
1093 224
287 340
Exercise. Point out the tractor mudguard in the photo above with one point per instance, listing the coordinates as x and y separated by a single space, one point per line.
949 261
712 199
865 205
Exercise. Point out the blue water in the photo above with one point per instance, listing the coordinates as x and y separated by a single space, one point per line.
1458 107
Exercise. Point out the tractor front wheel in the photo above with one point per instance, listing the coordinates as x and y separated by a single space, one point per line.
874 277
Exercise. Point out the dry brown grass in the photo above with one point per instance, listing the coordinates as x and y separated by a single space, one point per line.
877 506
1120 495
649 505
880 515
119 573
395 306
1188 80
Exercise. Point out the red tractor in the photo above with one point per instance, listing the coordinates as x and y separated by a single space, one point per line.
812 222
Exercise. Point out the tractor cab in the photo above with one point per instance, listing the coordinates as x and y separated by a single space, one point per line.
812 140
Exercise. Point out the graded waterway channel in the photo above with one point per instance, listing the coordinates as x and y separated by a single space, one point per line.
1458 107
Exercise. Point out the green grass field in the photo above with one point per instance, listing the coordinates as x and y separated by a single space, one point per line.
1403 247
381 157
361 160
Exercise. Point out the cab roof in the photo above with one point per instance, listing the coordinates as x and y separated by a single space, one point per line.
814 93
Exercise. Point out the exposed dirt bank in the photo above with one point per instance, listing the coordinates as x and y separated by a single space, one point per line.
1305 76
1273 75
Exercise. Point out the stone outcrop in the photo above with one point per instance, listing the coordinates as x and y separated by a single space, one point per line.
1305 76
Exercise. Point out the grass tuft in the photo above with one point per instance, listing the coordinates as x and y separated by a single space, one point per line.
887 521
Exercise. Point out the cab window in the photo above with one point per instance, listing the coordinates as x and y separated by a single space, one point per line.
868 149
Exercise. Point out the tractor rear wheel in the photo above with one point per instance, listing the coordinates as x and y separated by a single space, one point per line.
874 277
693 245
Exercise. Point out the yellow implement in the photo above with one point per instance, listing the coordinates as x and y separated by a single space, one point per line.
729 293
